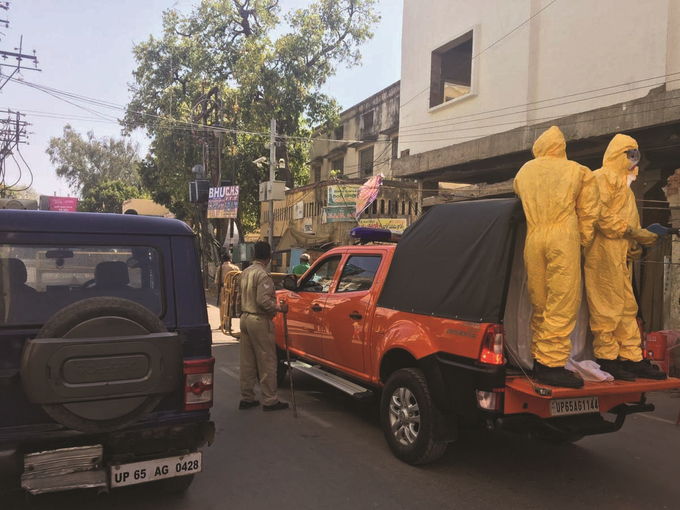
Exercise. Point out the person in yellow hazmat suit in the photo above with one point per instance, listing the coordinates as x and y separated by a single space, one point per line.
560 201
608 272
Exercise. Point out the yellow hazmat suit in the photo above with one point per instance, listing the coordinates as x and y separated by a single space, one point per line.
560 200
612 304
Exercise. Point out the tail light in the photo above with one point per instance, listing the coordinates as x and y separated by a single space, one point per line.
198 384
492 345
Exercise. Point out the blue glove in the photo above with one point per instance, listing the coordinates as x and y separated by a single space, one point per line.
657 229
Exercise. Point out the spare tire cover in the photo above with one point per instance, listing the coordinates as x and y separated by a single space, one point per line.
100 317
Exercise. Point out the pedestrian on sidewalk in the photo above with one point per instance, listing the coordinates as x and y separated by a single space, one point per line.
258 308
225 268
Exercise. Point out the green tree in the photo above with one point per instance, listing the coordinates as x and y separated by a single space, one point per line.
87 162
237 64
108 196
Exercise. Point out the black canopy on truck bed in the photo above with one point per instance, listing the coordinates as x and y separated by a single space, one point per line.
454 262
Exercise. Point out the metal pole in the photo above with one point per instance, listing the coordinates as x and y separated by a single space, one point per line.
272 176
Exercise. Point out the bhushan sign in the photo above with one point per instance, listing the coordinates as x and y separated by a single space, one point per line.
223 202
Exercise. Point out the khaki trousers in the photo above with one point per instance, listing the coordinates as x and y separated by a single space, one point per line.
258 356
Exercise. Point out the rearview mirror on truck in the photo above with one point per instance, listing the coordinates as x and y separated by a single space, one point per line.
290 282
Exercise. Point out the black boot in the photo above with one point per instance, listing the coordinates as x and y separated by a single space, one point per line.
613 367
642 370
557 376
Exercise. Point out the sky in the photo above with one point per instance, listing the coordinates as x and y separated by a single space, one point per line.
85 47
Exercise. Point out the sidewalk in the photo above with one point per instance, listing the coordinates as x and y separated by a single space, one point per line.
214 318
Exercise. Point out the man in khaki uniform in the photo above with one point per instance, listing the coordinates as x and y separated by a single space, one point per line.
225 268
258 344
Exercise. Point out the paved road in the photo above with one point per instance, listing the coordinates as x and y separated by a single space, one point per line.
334 457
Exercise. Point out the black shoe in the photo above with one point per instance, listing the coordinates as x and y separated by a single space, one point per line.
614 367
244 404
557 376
279 406
642 370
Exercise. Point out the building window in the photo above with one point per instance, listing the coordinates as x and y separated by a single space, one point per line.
451 70
339 133
366 161
382 207
395 147
374 208
338 166
403 208
317 174
367 121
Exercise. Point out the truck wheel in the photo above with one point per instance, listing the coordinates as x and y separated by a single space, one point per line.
409 418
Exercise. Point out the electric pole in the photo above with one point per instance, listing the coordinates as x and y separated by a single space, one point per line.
272 177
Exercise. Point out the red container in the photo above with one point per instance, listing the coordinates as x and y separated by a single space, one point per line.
656 350
657 345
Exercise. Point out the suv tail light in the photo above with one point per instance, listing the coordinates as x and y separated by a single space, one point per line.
492 345
198 384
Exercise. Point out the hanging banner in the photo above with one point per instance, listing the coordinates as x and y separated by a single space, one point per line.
64 204
343 195
396 225
368 193
336 214
223 202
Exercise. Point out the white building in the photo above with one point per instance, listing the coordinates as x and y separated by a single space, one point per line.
482 79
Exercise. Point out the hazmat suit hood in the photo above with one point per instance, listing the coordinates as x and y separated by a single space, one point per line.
551 144
615 156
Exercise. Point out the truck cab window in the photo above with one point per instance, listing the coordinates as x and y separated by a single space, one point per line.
359 273
321 277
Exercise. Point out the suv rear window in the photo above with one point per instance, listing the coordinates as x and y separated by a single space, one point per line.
38 281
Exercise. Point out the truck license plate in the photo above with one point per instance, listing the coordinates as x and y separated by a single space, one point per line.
152 470
567 406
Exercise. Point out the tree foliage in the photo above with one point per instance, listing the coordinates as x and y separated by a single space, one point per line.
236 64
87 162
107 196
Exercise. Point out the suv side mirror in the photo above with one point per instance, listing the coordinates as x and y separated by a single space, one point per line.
290 282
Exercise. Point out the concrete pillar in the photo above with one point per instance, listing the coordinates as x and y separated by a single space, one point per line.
672 270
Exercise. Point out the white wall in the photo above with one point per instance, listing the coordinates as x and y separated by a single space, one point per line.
576 55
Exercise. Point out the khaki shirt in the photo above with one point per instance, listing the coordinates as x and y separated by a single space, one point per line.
257 291
224 270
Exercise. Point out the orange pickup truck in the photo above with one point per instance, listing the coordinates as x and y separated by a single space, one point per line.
423 323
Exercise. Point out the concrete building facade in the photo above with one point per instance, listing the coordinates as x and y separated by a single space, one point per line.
363 144
482 80
319 216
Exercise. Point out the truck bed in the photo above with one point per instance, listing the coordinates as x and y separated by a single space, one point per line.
520 396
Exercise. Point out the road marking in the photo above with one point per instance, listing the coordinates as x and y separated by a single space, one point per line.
229 372
656 418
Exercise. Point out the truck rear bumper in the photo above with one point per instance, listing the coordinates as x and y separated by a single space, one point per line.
117 447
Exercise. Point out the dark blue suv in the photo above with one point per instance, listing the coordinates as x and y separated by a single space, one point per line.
106 372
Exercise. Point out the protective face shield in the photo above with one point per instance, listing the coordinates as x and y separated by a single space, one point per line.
633 158
632 175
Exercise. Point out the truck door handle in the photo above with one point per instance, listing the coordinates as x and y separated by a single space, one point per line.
316 308
356 316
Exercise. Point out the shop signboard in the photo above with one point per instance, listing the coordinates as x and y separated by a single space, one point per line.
223 202
336 214
396 225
